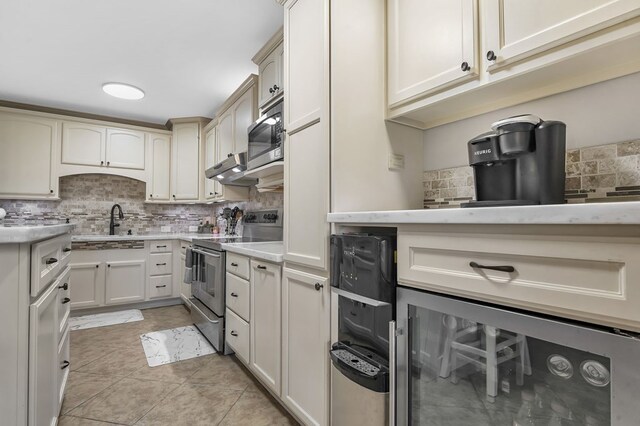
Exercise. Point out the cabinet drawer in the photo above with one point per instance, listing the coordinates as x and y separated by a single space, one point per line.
160 264
160 247
48 258
590 278
238 295
160 286
63 366
62 283
238 265
237 335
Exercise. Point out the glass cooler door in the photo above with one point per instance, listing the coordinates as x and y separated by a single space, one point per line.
462 363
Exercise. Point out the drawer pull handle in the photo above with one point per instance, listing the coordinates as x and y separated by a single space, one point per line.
262 267
505 268
65 364
234 264
161 264
234 334
64 286
161 286
161 246
67 249
51 261
234 295
66 300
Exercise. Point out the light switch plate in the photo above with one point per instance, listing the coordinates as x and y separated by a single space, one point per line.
396 161
193 228
165 228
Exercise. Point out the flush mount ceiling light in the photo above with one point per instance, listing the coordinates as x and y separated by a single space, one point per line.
123 91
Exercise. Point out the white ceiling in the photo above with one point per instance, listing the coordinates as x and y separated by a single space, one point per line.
188 56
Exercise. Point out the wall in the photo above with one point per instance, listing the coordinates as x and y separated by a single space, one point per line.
361 140
599 114
86 200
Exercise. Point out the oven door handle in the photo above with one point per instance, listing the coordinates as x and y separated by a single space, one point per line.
205 253
362 299
392 373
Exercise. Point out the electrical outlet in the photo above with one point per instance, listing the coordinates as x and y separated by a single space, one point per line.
396 161
165 228
193 228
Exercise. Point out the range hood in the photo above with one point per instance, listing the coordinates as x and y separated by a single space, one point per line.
231 171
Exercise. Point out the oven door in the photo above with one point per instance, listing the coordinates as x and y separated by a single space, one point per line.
265 139
208 286
466 363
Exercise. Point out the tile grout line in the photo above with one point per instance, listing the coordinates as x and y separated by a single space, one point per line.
234 404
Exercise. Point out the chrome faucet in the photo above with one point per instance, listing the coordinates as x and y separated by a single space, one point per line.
113 224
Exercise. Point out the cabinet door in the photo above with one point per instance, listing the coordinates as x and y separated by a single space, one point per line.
266 323
43 359
211 186
243 116
185 289
304 72
86 285
225 135
428 43
515 29
125 281
306 173
185 165
305 345
160 146
27 145
125 149
280 62
268 74
83 144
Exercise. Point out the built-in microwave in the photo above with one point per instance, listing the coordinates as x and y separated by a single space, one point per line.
266 137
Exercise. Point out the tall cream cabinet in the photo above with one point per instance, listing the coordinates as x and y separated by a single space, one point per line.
159 186
270 62
527 50
235 117
29 147
185 175
211 186
305 290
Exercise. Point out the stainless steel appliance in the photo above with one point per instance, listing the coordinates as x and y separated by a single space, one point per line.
231 171
363 278
209 269
466 363
521 162
265 138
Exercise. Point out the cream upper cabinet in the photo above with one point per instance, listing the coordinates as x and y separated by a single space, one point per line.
125 149
211 186
225 135
305 346
516 30
243 116
306 197
159 189
432 45
185 170
28 145
265 322
304 65
83 144
270 76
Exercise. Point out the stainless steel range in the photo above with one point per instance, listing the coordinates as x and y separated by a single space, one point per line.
209 271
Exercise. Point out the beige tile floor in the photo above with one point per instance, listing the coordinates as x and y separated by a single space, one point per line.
111 383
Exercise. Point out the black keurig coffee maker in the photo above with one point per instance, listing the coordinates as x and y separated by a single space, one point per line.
520 162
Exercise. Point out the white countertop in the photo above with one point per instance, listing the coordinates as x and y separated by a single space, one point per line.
162 236
272 251
619 213
27 234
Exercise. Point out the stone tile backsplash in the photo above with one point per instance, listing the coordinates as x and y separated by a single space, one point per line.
86 200
594 174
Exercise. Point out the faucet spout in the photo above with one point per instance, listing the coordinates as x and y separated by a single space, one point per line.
112 223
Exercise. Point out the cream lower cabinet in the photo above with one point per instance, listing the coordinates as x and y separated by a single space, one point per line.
185 289
265 323
305 346
125 281
87 285
29 145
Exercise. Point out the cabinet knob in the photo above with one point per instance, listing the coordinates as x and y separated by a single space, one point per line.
318 286
491 55
211 193
230 154
101 163
150 195
66 300
108 266
174 196
275 88
65 364
51 191
97 266
65 286
66 249
271 90
233 333
108 162
465 66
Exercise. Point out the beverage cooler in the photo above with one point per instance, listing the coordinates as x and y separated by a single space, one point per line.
464 363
